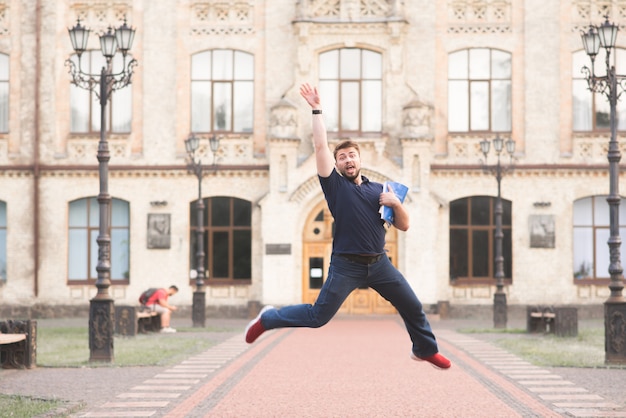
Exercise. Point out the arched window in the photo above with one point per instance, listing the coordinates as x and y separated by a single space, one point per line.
472 240
83 248
3 241
591 111
227 239
222 91
85 105
4 93
591 236
479 90
351 88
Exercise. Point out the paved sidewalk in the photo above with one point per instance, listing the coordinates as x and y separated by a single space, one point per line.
352 367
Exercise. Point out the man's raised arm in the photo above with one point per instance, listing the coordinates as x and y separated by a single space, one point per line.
323 157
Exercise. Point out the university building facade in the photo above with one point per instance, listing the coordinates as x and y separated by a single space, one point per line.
418 84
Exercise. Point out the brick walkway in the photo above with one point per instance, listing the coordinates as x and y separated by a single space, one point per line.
354 368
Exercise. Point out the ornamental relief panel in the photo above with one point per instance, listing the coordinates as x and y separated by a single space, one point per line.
594 150
98 15
222 17
348 10
586 11
233 150
283 120
416 120
87 150
4 19
479 16
465 149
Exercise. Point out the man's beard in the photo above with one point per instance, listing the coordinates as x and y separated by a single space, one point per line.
350 177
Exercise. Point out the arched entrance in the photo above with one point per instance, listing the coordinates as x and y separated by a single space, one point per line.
317 248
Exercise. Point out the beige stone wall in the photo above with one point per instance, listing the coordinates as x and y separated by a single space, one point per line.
19 287
39 157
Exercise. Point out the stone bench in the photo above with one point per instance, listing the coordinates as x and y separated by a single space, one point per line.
133 320
560 320
18 344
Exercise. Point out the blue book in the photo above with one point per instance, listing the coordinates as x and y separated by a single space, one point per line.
400 190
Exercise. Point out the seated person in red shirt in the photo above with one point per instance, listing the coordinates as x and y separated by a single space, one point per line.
158 303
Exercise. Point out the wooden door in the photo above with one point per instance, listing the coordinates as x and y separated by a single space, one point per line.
317 249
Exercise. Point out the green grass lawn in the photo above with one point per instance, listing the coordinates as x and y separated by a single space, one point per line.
24 406
585 350
548 350
69 347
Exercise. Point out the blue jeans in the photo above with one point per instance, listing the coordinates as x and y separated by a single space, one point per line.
343 277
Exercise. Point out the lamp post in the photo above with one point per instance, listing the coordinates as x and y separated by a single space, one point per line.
101 310
198 308
499 298
612 85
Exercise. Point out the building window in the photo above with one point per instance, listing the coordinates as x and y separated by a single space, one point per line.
351 88
227 239
472 240
83 248
591 111
85 104
3 242
222 91
479 90
591 236
4 93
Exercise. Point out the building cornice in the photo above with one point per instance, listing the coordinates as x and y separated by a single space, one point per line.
525 170
133 171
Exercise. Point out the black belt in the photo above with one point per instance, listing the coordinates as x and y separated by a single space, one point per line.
362 259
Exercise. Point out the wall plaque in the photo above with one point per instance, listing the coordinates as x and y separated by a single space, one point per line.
159 230
274 249
541 231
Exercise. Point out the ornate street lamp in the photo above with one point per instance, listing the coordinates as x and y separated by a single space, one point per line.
499 298
612 85
198 309
101 310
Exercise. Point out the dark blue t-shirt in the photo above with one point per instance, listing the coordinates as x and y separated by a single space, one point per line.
358 227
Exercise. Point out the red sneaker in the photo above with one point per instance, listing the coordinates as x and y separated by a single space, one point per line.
255 327
437 360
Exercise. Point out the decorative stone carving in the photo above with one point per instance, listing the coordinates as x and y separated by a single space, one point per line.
348 10
222 17
588 11
593 148
416 120
98 15
349 17
5 22
283 120
79 149
479 16
323 8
